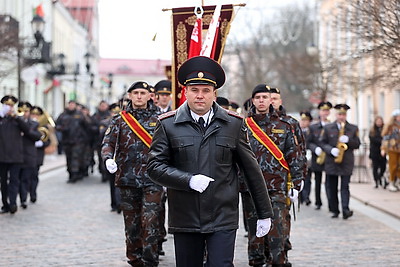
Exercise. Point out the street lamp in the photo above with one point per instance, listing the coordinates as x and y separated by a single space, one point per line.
38 27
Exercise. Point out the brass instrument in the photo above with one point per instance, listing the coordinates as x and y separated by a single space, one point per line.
45 133
321 158
341 146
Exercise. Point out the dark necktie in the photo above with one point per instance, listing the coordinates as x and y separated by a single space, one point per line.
201 123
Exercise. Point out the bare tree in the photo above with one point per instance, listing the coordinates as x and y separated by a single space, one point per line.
9 45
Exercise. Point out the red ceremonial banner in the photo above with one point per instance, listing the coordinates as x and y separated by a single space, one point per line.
183 21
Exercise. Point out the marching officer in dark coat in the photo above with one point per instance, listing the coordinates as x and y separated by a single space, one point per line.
273 142
339 140
163 92
26 169
318 155
102 113
305 120
73 125
195 153
125 150
12 127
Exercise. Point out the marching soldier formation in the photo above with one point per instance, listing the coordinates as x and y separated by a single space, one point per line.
197 158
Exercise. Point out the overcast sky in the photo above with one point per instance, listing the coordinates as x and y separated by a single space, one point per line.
127 27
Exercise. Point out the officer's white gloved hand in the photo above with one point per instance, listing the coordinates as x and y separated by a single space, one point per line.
293 194
335 152
111 165
4 109
308 154
39 143
318 151
200 182
263 227
344 139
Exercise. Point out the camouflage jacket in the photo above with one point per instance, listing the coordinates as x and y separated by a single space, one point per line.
280 132
130 151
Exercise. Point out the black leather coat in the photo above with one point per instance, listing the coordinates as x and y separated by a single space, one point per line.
180 150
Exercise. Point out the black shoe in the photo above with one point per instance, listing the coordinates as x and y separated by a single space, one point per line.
335 215
4 210
318 207
23 205
347 214
33 200
13 209
308 202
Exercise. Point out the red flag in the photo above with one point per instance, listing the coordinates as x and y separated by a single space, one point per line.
39 11
194 50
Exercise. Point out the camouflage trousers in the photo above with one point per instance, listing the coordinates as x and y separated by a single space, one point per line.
141 208
271 249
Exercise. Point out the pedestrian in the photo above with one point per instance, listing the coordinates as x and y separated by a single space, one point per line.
163 92
125 151
378 161
318 155
391 147
12 127
26 169
305 121
339 141
44 129
74 126
273 142
195 153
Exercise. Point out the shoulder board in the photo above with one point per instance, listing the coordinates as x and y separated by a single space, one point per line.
234 114
167 114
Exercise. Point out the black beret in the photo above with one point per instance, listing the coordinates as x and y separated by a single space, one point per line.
139 85
275 90
163 87
261 88
201 70
36 110
222 101
325 105
234 105
306 115
9 100
342 108
114 108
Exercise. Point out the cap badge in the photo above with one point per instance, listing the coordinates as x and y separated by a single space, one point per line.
200 75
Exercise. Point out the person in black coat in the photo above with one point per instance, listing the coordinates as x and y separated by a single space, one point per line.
378 161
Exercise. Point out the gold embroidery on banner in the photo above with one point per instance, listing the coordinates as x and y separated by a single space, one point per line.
181 43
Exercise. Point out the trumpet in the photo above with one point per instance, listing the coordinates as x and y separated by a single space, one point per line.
341 146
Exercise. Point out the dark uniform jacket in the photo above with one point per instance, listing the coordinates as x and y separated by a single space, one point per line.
313 141
74 127
180 150
11 130
279 131
330 139
28 141
130 151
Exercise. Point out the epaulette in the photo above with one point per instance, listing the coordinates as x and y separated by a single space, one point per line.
235 114
167 114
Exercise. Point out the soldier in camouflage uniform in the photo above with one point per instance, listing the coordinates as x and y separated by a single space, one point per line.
273 248
73 126
140 197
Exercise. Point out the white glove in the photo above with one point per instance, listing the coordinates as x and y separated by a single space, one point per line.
344 139
4 110
39 143
293 194
200 182
318 151
111 165
335 152
308 154
263 227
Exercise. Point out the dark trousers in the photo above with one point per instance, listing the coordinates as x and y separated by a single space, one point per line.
114 191
6 170
26 175
378 169
190 248
305 193
34 183
344 192
318 181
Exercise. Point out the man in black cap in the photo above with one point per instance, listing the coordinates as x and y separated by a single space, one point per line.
223 102
195 153
318 155
125 151
305 121
163 93
339 140
12 127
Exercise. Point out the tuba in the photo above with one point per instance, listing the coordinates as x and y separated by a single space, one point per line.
341 146
321 158
45 133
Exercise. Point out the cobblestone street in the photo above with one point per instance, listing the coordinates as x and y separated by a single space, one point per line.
71 225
